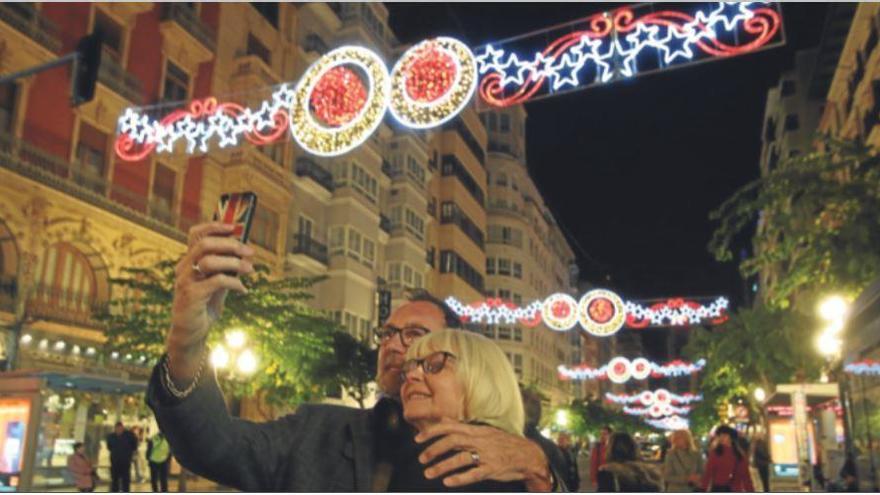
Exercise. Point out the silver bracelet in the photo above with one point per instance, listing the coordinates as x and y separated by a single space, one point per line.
169 383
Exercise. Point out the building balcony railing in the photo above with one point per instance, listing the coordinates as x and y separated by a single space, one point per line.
29 161
314 43
29 21
385 224
305 167
185 15
303 244
387 169
114 76
467 227
64 306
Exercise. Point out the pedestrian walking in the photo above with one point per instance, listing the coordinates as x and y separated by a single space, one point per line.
122 445
683 465
572 478
622 471
81 470
727 469
159 457
139 458
599 453
761 459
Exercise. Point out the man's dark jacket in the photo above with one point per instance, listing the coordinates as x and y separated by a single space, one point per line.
122 447
320 448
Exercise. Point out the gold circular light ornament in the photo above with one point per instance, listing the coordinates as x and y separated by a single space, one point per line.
428 114
560 312
321 140
601 312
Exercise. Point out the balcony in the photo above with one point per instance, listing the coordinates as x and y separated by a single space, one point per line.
185 16
27 19
387 169
385 224
305 167
303 244
251 71
112 75
29 161
64 306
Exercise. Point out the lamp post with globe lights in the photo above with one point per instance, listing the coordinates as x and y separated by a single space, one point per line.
235 351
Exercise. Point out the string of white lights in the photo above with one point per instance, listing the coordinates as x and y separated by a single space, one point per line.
621 370
659 396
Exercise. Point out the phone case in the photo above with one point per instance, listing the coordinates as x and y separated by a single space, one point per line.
237 209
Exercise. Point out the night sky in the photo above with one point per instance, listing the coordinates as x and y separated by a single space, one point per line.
632 169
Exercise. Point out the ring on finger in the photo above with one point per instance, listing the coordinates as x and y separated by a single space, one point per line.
197 269
475 458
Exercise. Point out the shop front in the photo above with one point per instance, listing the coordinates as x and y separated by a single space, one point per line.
42 414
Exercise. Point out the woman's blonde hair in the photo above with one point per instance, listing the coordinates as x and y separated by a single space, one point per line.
492 393
688 438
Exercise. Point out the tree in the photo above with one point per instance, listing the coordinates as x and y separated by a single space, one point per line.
293 341
756 347
588 416
353 366
818 223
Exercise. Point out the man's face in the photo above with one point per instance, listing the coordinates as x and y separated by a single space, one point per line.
420 314
119 429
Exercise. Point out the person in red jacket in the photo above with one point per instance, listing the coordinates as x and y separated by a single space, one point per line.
599 454
727 469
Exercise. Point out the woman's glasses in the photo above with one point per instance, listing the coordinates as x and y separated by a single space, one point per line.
431 364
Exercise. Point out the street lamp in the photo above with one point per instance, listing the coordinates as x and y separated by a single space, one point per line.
247 362
235 352
760 394
833 308
235 339
562 418
219 357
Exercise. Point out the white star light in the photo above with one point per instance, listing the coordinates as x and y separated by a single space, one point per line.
685 50
519 78
485 66
569 62
718 15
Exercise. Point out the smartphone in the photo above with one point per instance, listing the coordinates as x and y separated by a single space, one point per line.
238 209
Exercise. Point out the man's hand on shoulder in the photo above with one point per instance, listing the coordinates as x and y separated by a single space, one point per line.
492 454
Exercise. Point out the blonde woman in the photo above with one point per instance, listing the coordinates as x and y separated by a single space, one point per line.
683 465
462 376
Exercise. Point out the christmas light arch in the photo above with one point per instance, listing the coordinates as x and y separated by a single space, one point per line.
562 312
622 370
649 397
669 423
867 367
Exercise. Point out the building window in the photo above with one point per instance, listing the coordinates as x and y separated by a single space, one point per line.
788 88
503 266
407 275
493 121
305 227
517 270
274 152
66 285
364 182
501 180
415 224
354 244
394 273
162 196
369 253
504 333
337 239
490 266
792 122
505 122
176 86
264 230
255 47
504 294
7 107
269 10
451 262
452 166
111 34
91 158
415 171
517 334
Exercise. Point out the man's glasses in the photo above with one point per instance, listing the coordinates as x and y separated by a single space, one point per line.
408 335
431 365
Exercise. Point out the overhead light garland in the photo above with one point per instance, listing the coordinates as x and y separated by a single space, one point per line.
600 312
669 423
657 410
337 104
621 370
649 397
867 367
617 45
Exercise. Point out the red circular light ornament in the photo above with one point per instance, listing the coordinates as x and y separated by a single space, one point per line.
601 312
430 74
338 96
619 370
559 312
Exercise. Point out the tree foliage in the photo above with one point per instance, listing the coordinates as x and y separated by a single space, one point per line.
353 366
588 416
818 223
756 347
294 343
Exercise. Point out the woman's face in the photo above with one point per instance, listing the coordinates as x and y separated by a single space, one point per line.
724 439
428 397
679 442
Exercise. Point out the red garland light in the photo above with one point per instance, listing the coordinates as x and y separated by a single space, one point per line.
430 75
338 96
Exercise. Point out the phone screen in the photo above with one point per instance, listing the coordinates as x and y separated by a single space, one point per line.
237 209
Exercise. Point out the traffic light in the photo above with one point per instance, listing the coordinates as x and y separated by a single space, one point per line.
86 66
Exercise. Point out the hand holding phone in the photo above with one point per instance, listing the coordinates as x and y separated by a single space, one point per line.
237 209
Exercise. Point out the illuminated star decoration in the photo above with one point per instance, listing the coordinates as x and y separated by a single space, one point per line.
676 37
